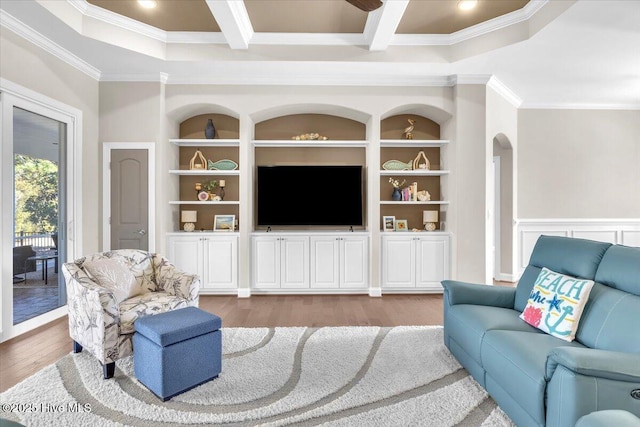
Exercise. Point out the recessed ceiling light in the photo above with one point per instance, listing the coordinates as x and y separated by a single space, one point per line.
147 4
467 4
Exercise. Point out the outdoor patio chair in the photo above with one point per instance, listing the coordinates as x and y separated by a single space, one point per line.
21 262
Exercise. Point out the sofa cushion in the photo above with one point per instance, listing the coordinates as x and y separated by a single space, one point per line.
114 275
517 360
144 305
574 257
611 320
556 303
620 269
467 324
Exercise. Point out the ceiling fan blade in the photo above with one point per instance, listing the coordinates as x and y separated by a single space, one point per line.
366 5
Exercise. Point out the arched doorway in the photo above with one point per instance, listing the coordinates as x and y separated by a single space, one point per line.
503 208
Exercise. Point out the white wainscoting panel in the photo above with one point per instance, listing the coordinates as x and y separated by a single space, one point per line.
616 231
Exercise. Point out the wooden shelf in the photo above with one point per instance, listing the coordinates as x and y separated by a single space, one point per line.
206 142
415 172
294 143
430 202
208 202
198 172
413 142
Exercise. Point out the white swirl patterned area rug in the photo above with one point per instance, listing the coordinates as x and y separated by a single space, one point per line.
331 376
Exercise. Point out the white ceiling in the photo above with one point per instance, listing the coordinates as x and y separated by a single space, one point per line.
559 53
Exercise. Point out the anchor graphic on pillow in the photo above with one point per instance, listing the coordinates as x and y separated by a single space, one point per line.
553 328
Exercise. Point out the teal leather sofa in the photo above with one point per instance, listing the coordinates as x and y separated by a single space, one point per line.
609 418
540 380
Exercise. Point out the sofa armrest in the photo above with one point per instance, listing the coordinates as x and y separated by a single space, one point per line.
471 293
176 282
591 362
94 315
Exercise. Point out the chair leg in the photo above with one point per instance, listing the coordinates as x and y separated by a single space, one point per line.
108 370
77 348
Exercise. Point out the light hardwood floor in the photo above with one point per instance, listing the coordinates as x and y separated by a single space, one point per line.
28 353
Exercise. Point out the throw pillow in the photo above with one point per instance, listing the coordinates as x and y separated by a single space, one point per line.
556 304
115 276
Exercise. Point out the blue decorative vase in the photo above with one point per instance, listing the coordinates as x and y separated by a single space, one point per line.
209 130
396 196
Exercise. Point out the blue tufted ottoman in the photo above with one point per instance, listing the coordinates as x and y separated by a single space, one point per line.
177 350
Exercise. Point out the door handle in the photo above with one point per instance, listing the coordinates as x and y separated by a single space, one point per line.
141 232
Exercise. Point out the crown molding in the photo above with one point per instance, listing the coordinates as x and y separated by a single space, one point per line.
577 106
11 23
138 78
309 39
189 37
504 91
335 77
469 79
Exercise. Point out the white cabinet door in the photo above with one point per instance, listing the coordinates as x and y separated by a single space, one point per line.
325 262
354 265
266 262
432 255
221 262
185 252
398 262
294 261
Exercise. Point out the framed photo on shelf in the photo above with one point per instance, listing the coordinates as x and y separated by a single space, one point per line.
224 223
388 223
401 225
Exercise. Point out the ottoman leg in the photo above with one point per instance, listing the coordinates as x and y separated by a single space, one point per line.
77 348
108 370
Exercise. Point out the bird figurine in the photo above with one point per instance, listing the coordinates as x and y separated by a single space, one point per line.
407 132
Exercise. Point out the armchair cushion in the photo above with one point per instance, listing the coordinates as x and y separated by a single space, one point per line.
147 304
115 276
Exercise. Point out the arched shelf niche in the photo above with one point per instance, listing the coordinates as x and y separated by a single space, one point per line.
224 146
227 127
394 146
335 128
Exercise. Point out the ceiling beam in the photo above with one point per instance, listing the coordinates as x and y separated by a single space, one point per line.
382 23
234 22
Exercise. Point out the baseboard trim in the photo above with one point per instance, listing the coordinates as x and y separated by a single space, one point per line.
375 292
244 292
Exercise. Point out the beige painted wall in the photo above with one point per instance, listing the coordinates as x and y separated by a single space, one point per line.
578 164
134 112
23 63
502 124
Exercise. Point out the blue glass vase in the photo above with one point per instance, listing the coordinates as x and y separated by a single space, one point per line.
209 130
396 196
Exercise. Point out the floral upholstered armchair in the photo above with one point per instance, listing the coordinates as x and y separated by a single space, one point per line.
107 292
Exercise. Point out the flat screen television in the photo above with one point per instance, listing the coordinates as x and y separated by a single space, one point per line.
309 195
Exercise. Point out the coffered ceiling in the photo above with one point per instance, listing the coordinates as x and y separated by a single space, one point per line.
570 53
312 16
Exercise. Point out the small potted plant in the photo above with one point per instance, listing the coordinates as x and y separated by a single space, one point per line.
209 187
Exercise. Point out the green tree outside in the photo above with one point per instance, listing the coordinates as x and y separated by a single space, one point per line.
36 195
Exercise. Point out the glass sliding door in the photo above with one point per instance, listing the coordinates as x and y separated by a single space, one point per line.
41 213
39 145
